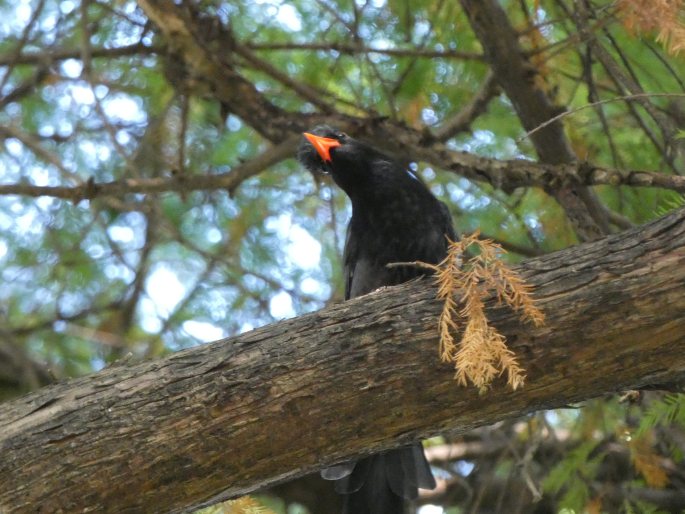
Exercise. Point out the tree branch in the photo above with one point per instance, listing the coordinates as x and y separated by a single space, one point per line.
181 183
62 54
504 175
199 45
517 75
353 49
227 418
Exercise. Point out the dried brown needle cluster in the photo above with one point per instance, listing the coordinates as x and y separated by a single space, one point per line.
647 462
482 354
665 17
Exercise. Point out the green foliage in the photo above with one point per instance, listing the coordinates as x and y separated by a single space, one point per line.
666 411
641 508
571 473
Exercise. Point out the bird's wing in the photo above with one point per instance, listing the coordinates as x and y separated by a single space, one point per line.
448 225
338 471
350 256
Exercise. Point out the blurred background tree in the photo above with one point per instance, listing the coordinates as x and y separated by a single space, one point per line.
150 200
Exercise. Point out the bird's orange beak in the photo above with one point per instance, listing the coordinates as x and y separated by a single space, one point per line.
322 145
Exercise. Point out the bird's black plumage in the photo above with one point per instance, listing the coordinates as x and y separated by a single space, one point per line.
395 218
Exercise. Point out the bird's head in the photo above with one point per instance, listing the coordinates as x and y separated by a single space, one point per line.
315 150
352 163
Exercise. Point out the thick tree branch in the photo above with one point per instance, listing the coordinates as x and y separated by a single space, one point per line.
504 175
227 418
181 183
62 54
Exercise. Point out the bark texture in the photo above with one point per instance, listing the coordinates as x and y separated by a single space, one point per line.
233 416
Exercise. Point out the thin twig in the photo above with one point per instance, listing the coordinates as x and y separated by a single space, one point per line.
360 49
412 264
23 40
33 144
478 104
88 190
595 104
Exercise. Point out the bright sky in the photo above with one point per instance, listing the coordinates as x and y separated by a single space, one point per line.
166 290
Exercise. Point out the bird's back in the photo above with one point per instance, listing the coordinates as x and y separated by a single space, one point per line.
400 223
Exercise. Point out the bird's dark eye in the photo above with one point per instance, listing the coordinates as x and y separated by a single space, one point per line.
340 135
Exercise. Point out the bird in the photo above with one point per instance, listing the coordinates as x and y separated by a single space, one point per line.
395 218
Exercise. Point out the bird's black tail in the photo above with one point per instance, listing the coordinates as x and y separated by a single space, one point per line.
380 483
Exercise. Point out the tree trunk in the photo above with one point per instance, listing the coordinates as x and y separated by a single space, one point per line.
516 75
226 418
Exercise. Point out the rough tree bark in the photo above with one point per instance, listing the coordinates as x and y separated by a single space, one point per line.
230 417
